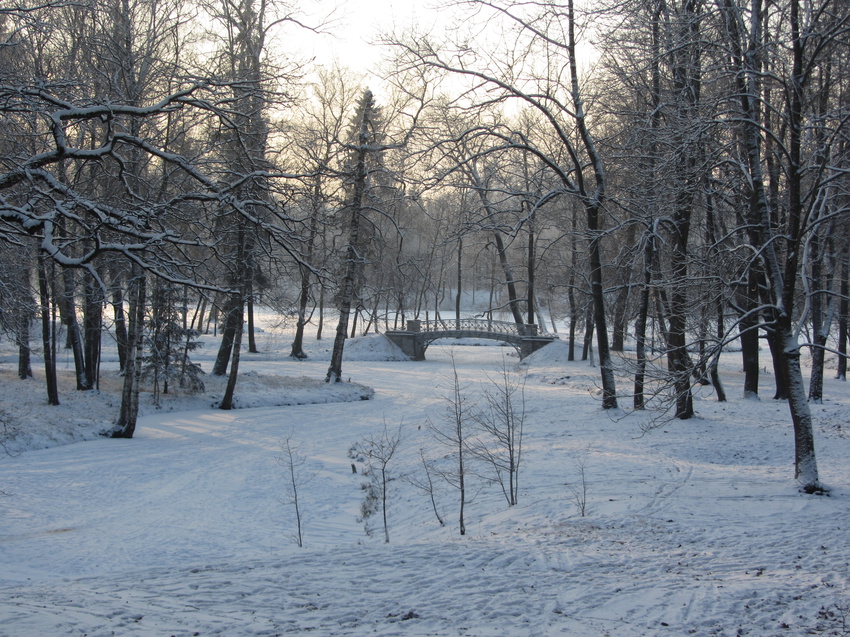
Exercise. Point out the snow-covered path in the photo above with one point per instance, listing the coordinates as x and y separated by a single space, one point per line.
694 528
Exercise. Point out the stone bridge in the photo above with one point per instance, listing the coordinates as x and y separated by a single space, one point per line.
420 334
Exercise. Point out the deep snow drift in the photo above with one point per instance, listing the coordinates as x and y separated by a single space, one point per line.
691 527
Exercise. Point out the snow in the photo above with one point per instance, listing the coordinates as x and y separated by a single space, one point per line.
692 527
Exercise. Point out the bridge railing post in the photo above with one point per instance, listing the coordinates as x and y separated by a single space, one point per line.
414 325
528 329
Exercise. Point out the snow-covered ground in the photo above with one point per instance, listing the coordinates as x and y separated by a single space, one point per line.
692 528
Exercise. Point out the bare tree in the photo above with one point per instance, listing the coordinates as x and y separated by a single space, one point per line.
365 148
426 483
501 423
452 430
293 461
578 490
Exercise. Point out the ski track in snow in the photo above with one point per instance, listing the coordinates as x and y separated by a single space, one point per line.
693 528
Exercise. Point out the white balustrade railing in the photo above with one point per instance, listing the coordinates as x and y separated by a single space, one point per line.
473 325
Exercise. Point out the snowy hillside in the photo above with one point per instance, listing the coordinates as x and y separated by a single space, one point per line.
690 528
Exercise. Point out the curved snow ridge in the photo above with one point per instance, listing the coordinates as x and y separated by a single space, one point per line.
84 416
258 390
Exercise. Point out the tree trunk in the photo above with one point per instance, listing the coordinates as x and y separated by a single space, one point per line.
780 374
687 82
588 333
510 280
198 316
820 313
252 341
649 249
700 369
531 268
461 481
574 316
68 313
619 327
22 336
640 323
120 321
334 374
93 324
552 320
23 315
678 360
541 318
459 280
714 375
571 286
304 269
297 350
212 318
592 205
805 463
806 469
816 378
48 332
321 321
125 427
354 322
374 320
227 399
232 320
748 328
843 307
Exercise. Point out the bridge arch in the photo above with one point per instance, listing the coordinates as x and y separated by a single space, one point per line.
420 334
436 336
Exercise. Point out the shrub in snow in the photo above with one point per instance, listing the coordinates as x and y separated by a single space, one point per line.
376 454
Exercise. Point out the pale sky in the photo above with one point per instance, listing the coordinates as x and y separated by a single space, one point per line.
358 22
